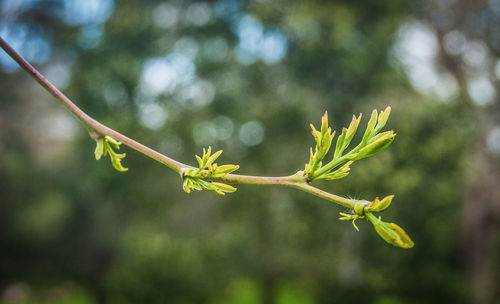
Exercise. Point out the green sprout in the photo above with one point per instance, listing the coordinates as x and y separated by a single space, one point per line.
372 143
194 177
105 147
390 232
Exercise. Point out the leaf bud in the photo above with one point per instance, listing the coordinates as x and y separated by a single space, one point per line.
390 232
394 235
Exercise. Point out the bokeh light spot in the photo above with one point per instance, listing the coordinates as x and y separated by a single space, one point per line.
251 133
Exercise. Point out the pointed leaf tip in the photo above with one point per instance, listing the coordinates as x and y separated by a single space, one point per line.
324 123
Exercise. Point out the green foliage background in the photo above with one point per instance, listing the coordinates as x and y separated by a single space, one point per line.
73 230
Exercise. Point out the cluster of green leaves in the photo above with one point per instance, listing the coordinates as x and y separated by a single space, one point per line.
390 232
372 143
194 177
105 147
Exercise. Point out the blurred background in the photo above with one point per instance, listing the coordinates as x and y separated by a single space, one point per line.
248 77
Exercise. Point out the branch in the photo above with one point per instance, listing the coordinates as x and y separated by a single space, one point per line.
196 178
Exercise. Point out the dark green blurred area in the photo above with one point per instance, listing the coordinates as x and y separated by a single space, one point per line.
178 76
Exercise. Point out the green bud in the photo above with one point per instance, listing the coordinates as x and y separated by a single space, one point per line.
394 235
391 233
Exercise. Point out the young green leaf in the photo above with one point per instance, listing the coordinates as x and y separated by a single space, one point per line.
113 142
116 160
380 143
351 130
223 187
224 169
382 119
99 149
370 126
339 173
339 147
379 205
105 147
213 157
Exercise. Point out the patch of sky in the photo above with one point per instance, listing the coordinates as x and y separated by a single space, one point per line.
226 9
197 94
152 115
416 49
251 133
221 127
89 36
215 49
198 14
481 90
187 46
58 71
255 42
31 43
166 15
494 140
79 12
115 93
164 74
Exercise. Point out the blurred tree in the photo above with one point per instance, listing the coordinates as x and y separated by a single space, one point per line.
468 49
